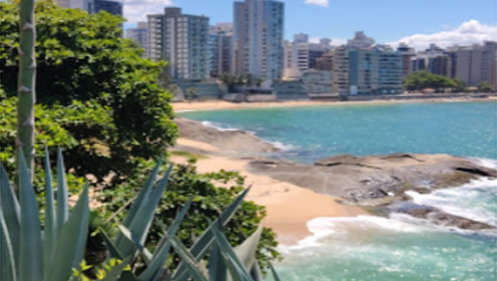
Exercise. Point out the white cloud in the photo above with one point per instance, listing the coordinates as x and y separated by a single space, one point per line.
467 33
334 41
137 10
322 3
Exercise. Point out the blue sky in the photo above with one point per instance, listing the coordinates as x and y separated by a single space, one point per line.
384 20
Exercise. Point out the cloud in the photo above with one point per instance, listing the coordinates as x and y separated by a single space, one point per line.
137 10
334 41
469 32
322 3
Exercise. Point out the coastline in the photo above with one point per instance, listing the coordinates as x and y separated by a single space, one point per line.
180 107
289 207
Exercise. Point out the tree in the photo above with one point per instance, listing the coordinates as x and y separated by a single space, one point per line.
420 80
460 86
485 87
84 58
191 93
26 82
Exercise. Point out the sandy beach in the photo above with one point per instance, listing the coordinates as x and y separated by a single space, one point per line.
224 105
289 207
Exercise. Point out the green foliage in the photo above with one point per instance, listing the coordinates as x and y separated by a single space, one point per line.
54 127
191 93
422 79
485 87
83 58
208 201
26 254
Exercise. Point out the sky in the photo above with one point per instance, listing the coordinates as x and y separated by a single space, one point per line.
416 22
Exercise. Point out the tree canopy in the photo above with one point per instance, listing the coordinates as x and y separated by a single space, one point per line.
83 58
420 80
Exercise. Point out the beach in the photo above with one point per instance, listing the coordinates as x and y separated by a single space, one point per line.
225 105
289 207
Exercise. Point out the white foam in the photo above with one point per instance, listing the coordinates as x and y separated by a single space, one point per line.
283 146
326 226
219 126
485 162
461 201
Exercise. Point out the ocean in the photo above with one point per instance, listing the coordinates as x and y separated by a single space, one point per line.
398 247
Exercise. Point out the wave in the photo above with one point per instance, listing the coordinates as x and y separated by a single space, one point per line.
283 146
475 200
324 227
485 162
220 126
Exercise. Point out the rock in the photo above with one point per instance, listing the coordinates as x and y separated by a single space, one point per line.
237 141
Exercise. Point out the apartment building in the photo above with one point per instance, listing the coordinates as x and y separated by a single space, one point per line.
182 40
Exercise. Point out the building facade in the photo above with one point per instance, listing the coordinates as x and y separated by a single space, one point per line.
258 38
109 6
475 64
360 68
138 34
182 40
220 49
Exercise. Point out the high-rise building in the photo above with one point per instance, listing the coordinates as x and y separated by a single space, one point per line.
109 6
325 62
220 49
94 6
489 63
86 5
341 70
475 64
360 41
359 68
407 54
182 40
138 34
258 38
301 55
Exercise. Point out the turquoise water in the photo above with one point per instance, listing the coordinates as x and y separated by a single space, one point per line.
399 247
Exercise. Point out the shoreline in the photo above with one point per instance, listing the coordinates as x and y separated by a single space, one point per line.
182 107
289 207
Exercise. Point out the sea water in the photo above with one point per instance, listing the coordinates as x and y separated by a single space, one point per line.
399 247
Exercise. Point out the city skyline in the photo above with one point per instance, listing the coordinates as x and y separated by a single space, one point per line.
445 22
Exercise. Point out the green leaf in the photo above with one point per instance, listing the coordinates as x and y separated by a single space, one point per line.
217 266
200 247
275 274
50 234
192 265
7 268
113 250
237 270
11 212
30 265
72 240
246 251
62 196
155 268
115 273
143 220
138 204
256 272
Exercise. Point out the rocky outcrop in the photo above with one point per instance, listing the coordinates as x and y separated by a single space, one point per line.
378 181
238 141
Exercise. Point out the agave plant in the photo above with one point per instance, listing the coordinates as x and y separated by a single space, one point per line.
29 254
26 252
225 263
